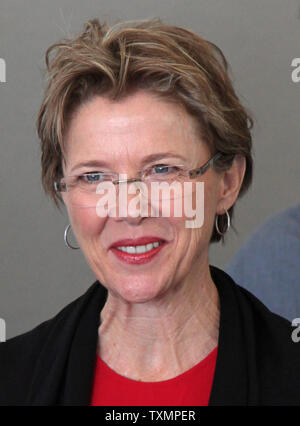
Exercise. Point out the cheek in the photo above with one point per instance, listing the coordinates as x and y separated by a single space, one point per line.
85 223
190 243
198 205
210 203
204 204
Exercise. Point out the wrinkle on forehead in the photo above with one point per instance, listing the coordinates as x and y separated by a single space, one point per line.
142 120
131 108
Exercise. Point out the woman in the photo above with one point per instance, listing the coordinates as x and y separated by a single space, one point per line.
144 103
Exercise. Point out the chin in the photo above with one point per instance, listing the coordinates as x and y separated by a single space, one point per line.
141 291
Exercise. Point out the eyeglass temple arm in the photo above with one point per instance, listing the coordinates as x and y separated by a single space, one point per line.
201 170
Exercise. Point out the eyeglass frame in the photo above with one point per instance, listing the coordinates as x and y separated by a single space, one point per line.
193 173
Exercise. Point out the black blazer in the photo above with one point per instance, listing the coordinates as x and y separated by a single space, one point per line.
53 364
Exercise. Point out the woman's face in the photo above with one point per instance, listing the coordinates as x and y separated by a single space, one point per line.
121 136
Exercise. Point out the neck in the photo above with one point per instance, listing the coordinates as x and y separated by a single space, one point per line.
135 340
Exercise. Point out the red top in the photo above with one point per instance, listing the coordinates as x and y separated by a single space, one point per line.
192 387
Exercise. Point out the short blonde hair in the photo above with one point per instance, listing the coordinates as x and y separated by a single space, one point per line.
172 62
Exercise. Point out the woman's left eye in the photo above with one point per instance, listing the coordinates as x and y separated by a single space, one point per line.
162 168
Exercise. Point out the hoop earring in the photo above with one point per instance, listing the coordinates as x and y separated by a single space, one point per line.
228 224
66 239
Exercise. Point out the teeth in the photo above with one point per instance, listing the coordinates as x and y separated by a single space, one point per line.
139 249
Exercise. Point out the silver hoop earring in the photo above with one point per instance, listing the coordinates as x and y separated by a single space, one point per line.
66 239
228 224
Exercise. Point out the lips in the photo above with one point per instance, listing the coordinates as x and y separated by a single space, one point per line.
136 241
137 258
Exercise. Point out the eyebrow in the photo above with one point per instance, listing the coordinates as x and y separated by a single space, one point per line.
147 159
92 163
160 155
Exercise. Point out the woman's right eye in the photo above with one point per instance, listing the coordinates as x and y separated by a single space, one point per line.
92 177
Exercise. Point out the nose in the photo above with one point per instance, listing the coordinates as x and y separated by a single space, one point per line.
130 205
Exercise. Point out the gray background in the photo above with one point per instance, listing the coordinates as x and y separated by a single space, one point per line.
39 275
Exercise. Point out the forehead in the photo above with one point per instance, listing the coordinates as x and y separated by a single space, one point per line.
132 128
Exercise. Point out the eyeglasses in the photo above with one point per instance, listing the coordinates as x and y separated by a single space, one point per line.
83 189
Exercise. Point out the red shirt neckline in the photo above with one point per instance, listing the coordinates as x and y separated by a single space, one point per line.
190 388
183 376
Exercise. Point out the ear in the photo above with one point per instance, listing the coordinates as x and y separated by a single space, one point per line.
231 182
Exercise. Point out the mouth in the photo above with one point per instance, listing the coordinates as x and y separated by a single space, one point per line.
137 251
